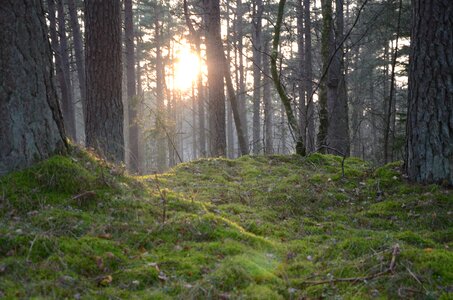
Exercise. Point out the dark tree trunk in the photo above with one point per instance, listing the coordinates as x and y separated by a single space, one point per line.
241 87
301 86
326 41
310 117
337 102
267 100
160 112
215 57
131 91
78 49
388 140
31 126
69 109
66 101
430 105
104 118
257 55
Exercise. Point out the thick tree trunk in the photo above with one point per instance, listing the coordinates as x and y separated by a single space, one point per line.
215 57
78 49
257 16
104 118
310 112
430 105
31 126
131 91
337 102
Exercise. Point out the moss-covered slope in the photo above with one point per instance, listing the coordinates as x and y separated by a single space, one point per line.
278 227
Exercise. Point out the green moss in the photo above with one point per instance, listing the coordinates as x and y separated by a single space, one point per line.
257 227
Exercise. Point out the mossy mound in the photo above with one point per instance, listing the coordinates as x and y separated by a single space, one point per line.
277 227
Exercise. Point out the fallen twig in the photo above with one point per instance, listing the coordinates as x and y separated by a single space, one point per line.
390 269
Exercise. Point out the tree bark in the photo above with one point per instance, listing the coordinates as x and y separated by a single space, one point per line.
326 41
310 117
131 87
301 85
241 87
104 118
215 57
267 100
337 102
69 109
59 68
388 142
430 104
257 15
292 121
78 49
31 127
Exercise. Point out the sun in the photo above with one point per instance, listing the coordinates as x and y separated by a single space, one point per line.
186 68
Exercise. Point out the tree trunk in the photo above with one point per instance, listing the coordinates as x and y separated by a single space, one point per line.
326 41
31 128
337 102
61 76
388 142
292 121
215 56
267 100
301 85
104 118
430 105
241 87
131 91
69 109
257 55
78 49
310 117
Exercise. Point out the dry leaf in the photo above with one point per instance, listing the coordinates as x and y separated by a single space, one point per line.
105 280
106 236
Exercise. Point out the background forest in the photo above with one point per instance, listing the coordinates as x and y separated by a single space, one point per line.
165 95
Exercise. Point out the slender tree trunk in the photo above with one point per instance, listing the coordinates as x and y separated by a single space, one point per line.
388 142
69 109
229 111
31 126
326 41
195 39
430 105
292 121
257 15
104 118
160 114
241 87
215 56
267 100
60 70
78 49
131 87
310 112
301 84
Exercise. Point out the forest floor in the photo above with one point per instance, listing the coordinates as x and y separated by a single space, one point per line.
277 227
